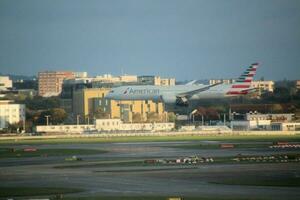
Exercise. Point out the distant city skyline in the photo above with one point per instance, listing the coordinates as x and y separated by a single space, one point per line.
192 39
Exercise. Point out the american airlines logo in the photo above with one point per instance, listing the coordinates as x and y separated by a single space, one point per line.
141 91
126 91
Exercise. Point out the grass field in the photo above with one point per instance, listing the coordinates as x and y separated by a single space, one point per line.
289 138
262 181
34 191
217 146
158 198
18 153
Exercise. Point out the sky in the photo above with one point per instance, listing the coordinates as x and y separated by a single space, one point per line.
185 39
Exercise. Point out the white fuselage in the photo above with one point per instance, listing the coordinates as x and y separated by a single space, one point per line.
157 93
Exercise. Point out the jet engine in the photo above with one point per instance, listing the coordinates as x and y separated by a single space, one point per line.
177 100
182 101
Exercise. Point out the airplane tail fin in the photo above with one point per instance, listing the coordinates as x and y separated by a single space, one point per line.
243 84
248 75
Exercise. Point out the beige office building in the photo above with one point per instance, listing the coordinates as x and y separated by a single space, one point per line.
83 100
87 101
50 82
263 85
298 84
138 110
5 83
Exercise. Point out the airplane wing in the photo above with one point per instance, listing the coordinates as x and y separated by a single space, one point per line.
191 93
191 82
250 90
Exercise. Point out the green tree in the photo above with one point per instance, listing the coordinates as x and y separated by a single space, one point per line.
57 116
15 127
200 111
153 117
212 114
100 114
42 103
171 117
207 113
277 108
137 118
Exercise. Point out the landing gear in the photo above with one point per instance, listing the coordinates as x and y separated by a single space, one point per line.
182 101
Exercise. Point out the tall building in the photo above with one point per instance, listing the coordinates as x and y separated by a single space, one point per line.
5 83
11 113
50 82
155 80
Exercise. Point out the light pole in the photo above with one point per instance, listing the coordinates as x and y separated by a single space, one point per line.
78 119
47 119
88 120
24 125
193 115
232 116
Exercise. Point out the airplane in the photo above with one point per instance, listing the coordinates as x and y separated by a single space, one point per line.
182 95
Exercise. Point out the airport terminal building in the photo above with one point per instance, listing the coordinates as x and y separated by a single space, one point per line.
106 125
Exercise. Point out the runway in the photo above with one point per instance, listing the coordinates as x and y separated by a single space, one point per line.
129 180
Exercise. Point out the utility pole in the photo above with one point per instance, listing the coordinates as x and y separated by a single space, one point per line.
202 120
224 119
47 119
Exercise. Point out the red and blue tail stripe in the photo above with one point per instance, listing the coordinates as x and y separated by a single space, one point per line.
242 85
247 76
